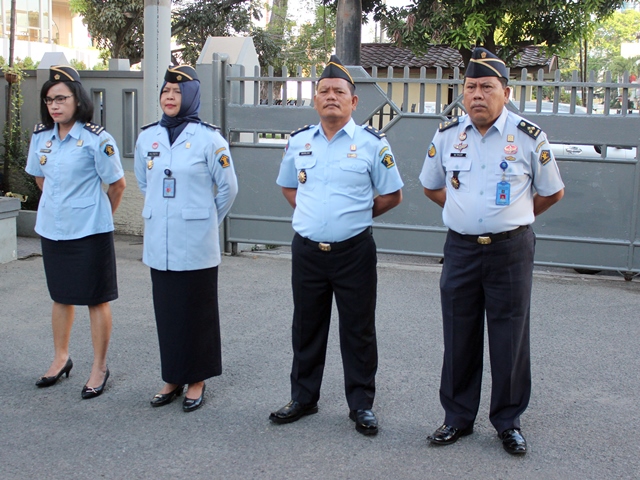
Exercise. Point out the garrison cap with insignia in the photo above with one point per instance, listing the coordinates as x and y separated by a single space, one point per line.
335 69
483 63
63 73
181 73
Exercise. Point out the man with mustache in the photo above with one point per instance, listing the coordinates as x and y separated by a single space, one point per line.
329 174
493 173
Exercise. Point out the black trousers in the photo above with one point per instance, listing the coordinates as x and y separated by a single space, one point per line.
494 280
349 274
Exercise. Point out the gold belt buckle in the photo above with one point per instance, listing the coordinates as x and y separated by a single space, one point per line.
325 247
484 240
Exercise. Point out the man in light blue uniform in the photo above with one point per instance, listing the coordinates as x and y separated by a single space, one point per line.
483 168
330 174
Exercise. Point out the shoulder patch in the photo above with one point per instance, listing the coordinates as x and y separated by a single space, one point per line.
529 128
444 126
211 126
41 127
374 132
144 127
94 128
295 132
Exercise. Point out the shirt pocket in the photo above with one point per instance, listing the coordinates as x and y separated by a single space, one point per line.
513 169
146 212
83 202
195 213
354 173
462 165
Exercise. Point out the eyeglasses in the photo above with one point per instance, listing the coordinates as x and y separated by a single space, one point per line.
58 99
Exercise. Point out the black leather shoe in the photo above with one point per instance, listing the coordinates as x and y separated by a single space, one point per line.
366 421
89 392
49 381
161 399
513 441
446 434
292 412
190 405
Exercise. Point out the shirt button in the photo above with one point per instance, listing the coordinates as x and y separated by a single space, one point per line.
483 166
481 192
480 220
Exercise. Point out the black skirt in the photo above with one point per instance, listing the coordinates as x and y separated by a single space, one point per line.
81 271
186 308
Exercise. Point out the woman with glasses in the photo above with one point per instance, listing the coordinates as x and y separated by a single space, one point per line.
184 169
71 158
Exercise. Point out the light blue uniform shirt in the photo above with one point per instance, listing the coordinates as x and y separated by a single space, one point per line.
181 233
73 204
336 180
471 209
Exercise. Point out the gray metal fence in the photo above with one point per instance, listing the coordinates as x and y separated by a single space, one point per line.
595 226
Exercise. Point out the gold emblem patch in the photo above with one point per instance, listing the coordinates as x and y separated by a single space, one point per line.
224 161
150 164
545 157
387 160
432 151
302 176
109 150
43 159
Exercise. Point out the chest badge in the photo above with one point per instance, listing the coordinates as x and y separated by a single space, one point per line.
302 176
79 143
307 146
188 145
460 146
462 136
48 144
43 159
455 183
511 149
149 164
154 145
353 147
510 138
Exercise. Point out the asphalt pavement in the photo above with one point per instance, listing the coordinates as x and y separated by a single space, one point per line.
581 423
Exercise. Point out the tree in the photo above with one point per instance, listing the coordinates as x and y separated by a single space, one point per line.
511 25
115 26
609 35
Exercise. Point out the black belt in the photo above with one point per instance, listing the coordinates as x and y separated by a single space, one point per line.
332 247
489 238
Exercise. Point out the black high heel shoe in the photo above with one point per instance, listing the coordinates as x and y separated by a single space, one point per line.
90 392
49 381
161 399
189 404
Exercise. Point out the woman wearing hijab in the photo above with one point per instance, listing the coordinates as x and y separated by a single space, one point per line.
178 162
71 158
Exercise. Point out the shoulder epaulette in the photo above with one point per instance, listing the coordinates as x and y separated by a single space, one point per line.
210 125
148 125
448 124
94 128
306 127
529 128
41 127
374 132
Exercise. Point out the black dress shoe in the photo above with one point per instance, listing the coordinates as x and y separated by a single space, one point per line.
49 381
90 392
293 411
513 441
190 405
161 399
366 421
446 434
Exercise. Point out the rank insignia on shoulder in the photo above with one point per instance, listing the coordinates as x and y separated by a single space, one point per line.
94 128
224 161
529 128
374 132
446 125
432 151
387 160
40 127
211 125
109 150
545 157
144 127
295 132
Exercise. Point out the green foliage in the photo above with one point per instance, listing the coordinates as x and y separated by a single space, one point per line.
15 142
78 64
26 64
510 24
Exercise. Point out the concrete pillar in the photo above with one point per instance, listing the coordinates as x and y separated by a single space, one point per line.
9 208
157 55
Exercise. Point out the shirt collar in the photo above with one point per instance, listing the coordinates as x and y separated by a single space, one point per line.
75 131
498 124
349 129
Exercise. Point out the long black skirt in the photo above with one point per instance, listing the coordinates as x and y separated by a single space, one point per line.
186 308
81 271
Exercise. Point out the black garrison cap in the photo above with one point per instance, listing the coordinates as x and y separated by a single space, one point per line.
483 63
63 73
335 69
181 73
